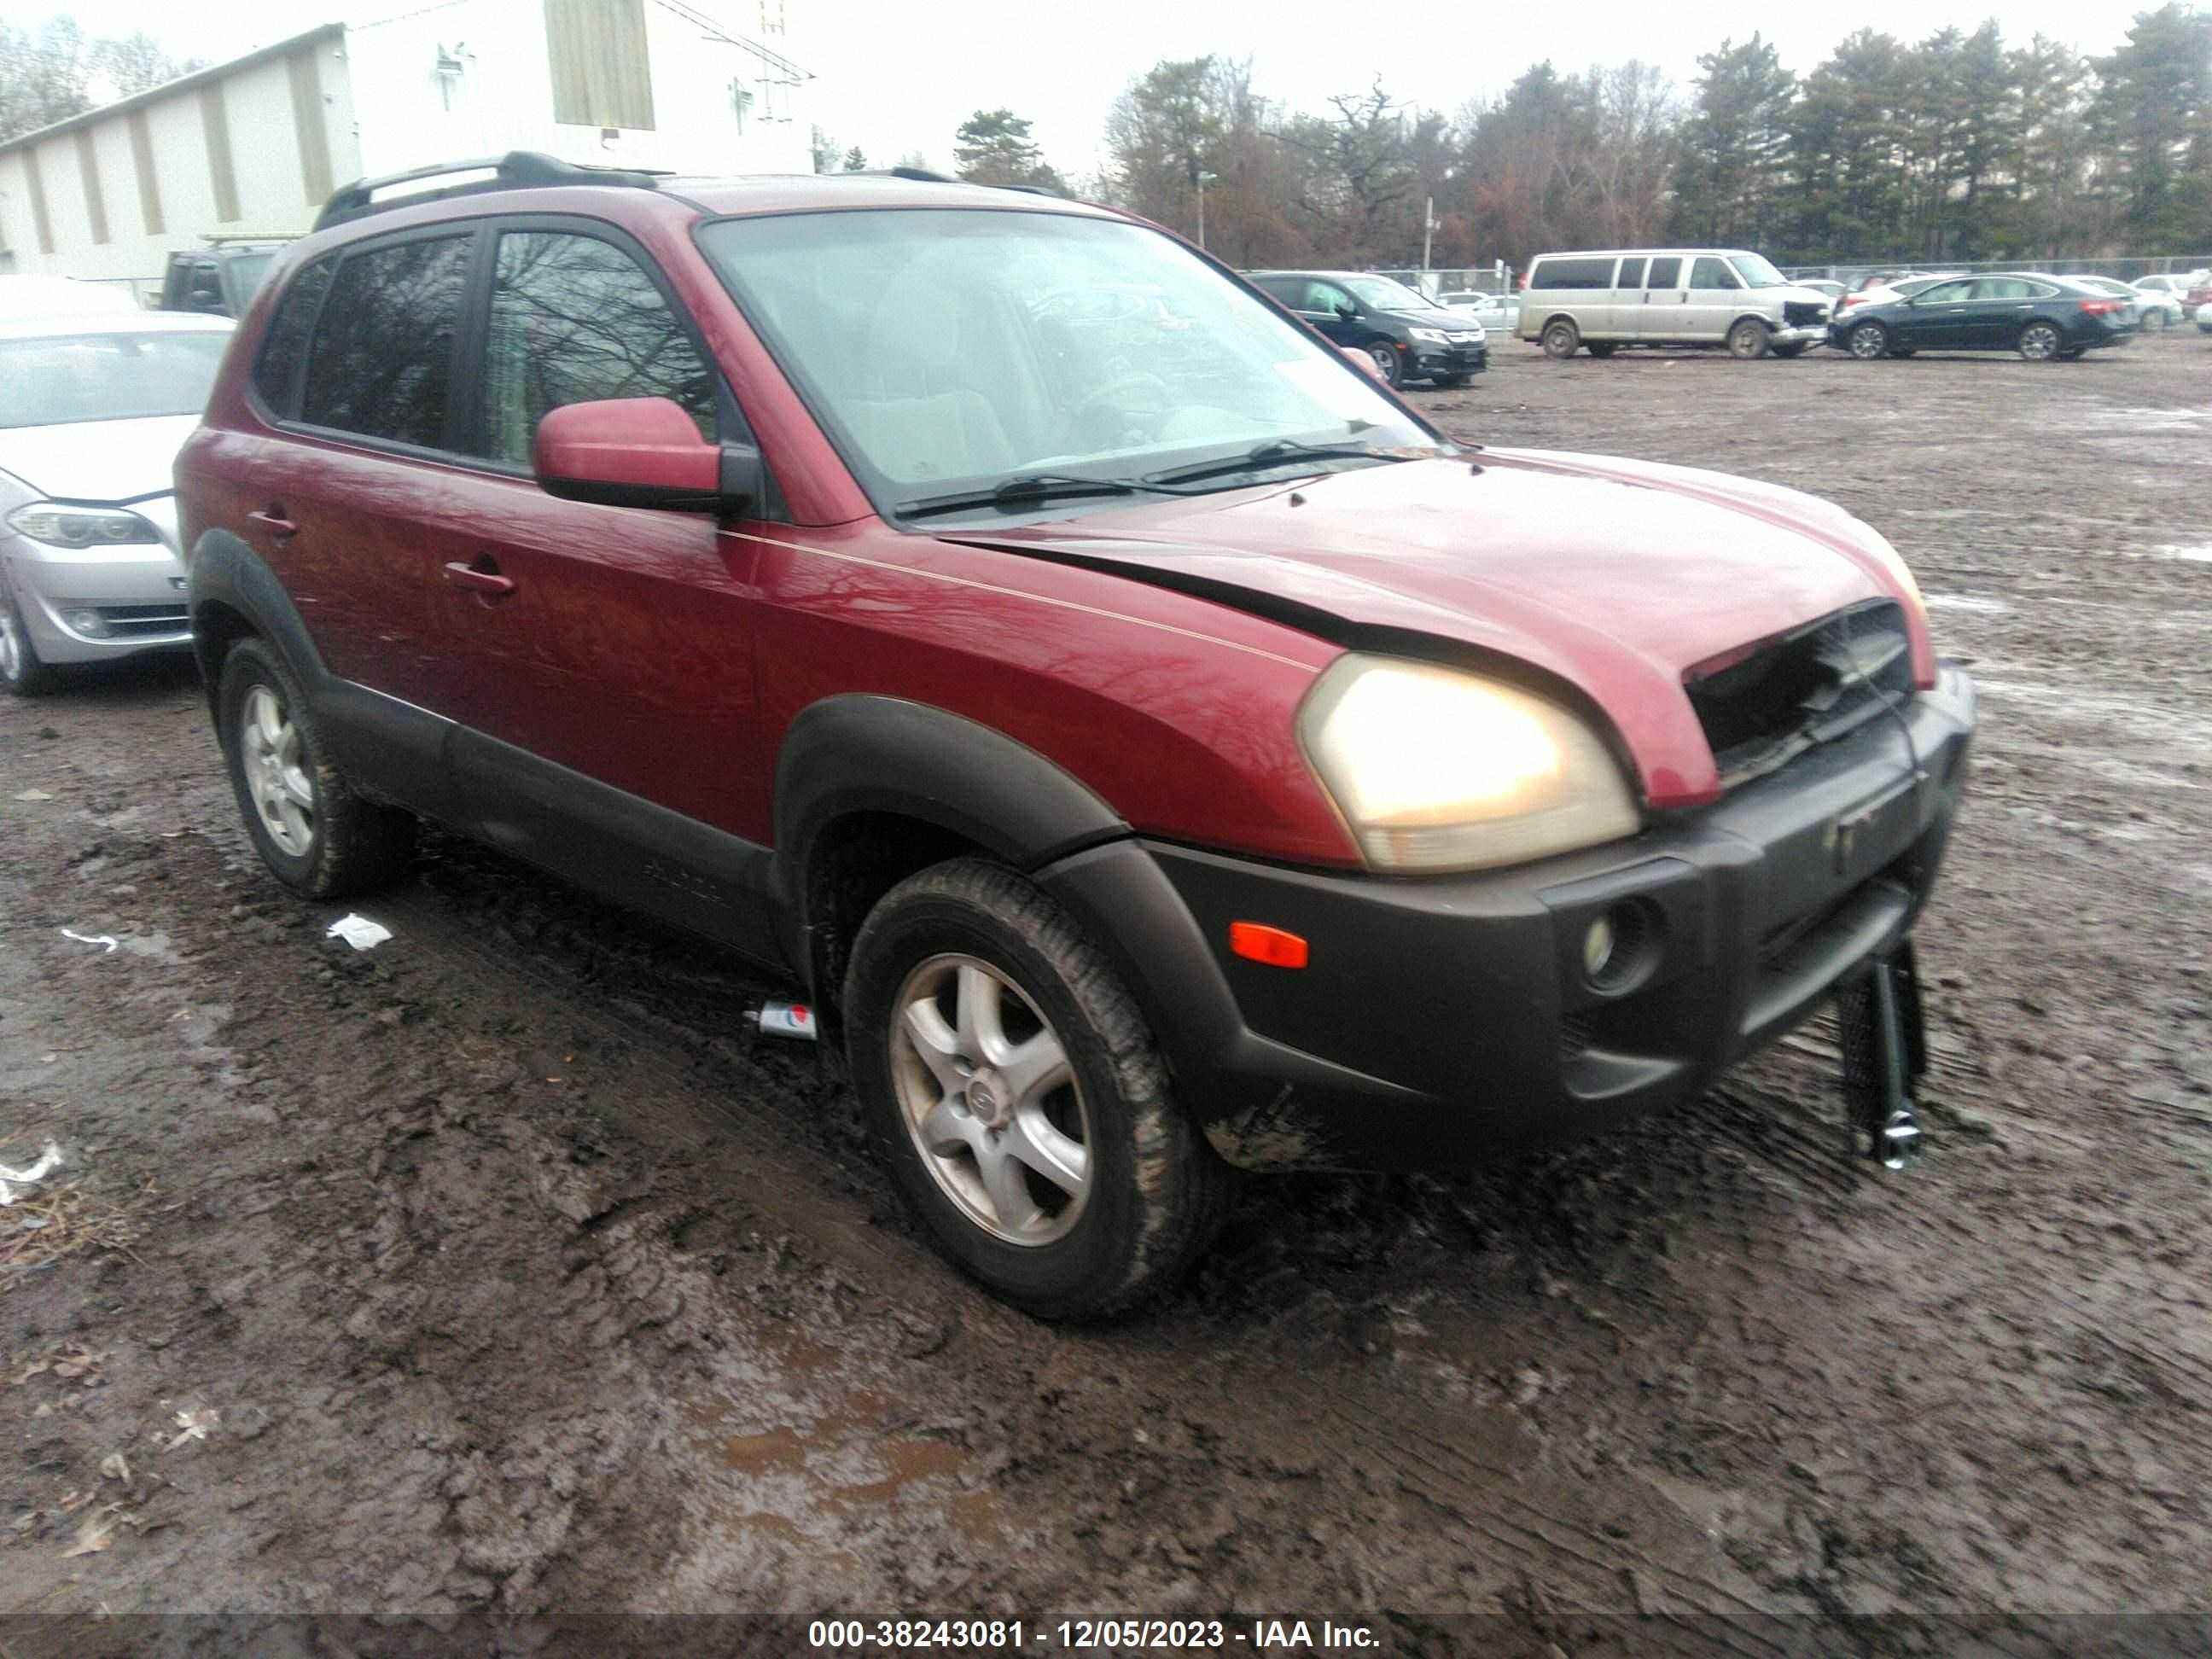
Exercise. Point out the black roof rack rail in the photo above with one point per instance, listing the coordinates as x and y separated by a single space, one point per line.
519 169
920 175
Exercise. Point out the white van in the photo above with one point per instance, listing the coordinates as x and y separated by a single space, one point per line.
1698 296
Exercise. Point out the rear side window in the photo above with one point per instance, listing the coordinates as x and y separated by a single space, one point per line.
276 376
574 319
1572 273
1666 272
1287 290
1631 274
382 360
1711 272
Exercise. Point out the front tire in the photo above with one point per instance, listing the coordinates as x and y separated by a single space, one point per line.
2041 343
1561 338
1748 339
316 834
2154 322
21 671
1388 362
1013 1090
1868 342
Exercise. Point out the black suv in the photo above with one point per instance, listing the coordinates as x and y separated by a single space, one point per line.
1409 336
219 279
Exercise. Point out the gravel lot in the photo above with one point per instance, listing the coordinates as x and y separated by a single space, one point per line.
500 1268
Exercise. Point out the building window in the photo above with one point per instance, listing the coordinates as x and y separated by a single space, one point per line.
600 75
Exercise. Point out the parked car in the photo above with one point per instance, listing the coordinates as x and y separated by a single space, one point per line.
2139 308
1834 290
219 280
2042 317
1669 297
32 295
2197 297
2160 309
1407 335
1498 314
2179 284
92 410
1135 785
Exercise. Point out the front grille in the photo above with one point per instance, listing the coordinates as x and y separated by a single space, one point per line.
1803 313
143 620
1803 690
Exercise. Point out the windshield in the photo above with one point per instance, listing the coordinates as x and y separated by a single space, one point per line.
1756 272
106 377
1386 294
951 349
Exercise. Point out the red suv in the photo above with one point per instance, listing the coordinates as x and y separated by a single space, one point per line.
1153 747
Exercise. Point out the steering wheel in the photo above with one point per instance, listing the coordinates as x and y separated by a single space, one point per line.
1109 402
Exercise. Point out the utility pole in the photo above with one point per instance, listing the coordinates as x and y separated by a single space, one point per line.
1204 179
1428 227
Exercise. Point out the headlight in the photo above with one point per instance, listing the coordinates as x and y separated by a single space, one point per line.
81 526
1435 769
1429 336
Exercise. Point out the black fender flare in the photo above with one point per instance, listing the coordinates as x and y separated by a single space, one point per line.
863 753
224 571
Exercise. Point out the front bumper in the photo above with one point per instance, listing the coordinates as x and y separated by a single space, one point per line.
1807 334
1444 1022
1432 361
92 605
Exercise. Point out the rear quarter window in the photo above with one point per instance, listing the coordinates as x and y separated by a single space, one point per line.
1571 274
277 375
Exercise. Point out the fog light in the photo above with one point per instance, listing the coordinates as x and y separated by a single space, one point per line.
1622 947
1597 949
90 623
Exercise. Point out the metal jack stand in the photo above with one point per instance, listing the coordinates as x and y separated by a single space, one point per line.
1885 1052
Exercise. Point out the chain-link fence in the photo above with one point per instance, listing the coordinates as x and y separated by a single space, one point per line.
2127 267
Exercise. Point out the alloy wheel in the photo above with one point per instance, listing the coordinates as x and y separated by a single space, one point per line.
283 792
1868 341
1386 361
986 1089
11 645
2038 342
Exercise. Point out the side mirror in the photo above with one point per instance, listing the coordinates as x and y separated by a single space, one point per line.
1358 354
640 451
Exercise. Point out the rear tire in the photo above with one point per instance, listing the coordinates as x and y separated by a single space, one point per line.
21 671
2041 342
1748 339
969 955
1867 342
317 836
1561 339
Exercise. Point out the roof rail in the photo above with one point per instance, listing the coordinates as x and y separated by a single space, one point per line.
921 175
519 169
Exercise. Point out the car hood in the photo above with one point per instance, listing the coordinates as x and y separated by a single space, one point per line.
1613 576
97 460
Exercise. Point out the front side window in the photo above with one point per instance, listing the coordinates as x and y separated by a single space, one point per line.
63 377
1946 293
1710 271
285 348
574 319
967 347
382 360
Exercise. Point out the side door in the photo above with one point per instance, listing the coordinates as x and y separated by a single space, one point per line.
1660 314
1938 318
601 657
1710 305
2000 307
1624 307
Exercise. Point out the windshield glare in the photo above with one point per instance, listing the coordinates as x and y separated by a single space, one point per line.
949 349
1757 272
106 377
1386 294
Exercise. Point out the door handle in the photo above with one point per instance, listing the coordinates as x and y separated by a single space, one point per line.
272 520
488 583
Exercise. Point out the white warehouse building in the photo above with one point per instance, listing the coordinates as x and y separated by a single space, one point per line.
254 146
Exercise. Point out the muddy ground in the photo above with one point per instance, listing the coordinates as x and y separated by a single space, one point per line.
500 1269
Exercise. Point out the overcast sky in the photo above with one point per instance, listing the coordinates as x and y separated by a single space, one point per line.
894 76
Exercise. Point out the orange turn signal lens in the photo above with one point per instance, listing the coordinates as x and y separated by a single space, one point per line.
1256 942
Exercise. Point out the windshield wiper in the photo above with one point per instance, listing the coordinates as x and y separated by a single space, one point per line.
1020 491
1273 454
